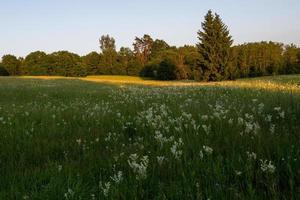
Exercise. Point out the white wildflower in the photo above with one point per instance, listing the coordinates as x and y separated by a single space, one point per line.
208 150
240 121
139 167
69 194
117 178
282 114
269 118
238 173
204 117
175 149
78 141
206 129
277 109
201 154
160 159
251 156
272 128
59 168
105 188
267 166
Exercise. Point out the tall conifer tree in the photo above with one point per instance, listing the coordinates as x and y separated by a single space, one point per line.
214 48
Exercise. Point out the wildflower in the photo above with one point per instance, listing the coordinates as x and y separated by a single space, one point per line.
78 141
267 166
282 114
261 107
59 168
69 194
251 156
160 159
206 129
277 109
269 118
175 149
105 188
201 154
240 121
208 150
238 173
139 167
204 117
272 128
117 178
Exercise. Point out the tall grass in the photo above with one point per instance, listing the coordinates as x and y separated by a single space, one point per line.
72 139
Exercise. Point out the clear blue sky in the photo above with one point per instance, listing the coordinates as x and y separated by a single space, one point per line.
51 25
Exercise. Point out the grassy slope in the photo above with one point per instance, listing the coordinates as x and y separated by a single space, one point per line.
62 138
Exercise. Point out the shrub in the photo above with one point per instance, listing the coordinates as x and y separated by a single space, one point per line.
3 71
166 70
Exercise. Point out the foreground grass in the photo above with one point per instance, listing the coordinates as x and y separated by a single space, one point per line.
74 139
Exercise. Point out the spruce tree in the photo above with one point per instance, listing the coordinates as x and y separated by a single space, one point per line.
214 49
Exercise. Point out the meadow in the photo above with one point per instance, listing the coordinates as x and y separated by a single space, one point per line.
127 138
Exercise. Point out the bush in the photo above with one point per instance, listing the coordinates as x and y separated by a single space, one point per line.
149 70
166 70
3 71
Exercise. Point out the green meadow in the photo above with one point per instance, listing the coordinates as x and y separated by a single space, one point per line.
90 138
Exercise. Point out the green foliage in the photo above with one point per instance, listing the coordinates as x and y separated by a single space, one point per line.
126 60
3 71
158 47
11 64
214 48
64 63
92 63
109 55
166 70
35 64
291 59
258 59
150 70
142 48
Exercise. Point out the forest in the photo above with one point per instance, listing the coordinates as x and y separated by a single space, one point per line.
214 58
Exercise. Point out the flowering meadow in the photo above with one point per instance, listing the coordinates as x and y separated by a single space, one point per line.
77 139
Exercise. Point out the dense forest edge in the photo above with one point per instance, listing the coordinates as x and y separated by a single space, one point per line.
214 58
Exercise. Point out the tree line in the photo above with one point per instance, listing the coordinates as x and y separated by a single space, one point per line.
213 58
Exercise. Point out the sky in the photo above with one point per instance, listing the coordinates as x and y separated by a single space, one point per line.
76 25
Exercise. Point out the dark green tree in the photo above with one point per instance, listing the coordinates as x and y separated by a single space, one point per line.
128 63
11 64
214 48
92 63
109 54
35 64
291 59
3 71
166 70
158 46
64 63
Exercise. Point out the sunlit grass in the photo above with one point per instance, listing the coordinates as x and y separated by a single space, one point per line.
281 83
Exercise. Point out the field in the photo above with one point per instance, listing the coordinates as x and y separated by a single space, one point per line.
128 138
